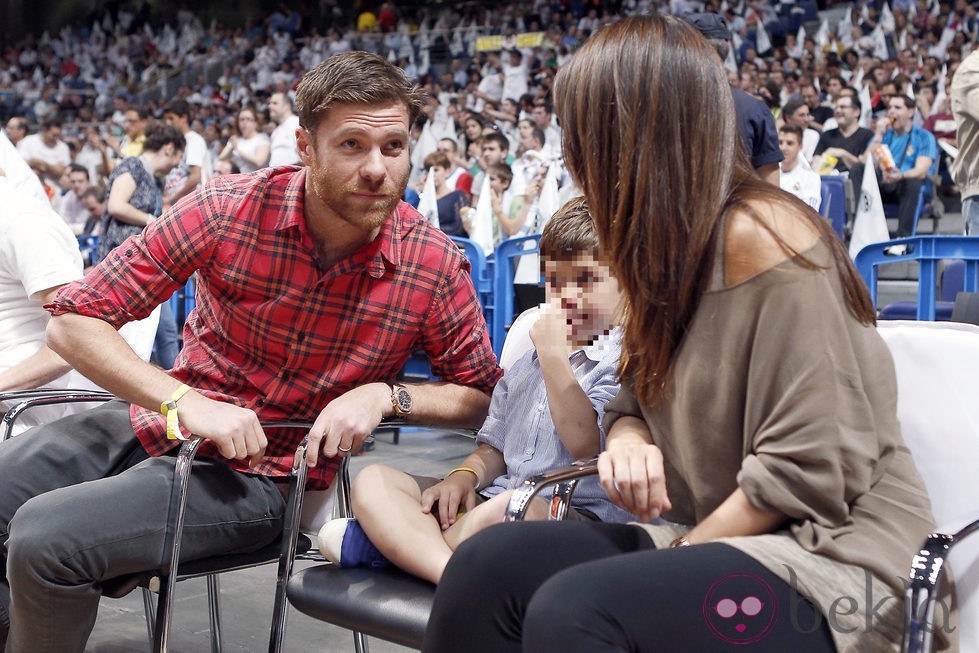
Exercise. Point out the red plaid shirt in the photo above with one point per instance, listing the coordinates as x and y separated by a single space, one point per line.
272 331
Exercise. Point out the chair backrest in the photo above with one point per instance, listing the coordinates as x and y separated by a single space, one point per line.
480 272
832 205
937 366
518 340
953 280
506 256
927 251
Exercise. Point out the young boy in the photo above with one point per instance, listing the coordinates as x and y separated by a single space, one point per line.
797 177
545 413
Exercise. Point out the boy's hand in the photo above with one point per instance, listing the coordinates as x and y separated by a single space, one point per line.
455 490
551 333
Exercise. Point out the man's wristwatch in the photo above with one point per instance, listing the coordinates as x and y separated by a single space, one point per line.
400 400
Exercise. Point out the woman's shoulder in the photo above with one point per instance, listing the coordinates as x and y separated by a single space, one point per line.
761 234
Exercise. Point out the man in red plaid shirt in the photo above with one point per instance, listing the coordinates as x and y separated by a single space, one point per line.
315 284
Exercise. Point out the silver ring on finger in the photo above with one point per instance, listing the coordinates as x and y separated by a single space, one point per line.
347 450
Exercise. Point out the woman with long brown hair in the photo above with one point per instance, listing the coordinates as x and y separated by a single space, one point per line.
757 411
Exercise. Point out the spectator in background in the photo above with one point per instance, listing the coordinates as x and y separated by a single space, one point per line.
70 205
913 152
796 112
16 129
248 148
965 108
194 166
450 200
47 154
132 195
494 148
283 150
818 112
848 141
458 177
796 176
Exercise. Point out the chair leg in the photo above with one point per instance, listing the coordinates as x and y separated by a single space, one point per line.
149 609
360 643
214 611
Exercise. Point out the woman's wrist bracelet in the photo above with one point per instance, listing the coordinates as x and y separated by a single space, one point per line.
466 469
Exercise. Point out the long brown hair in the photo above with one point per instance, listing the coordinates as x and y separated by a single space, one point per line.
651 139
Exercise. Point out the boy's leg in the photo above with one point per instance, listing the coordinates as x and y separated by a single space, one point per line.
65 543
489 513
387 504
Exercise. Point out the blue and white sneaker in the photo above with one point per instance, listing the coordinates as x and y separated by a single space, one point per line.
344 543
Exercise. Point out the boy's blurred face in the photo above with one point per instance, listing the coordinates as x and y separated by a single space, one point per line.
586 291
790 146
498 184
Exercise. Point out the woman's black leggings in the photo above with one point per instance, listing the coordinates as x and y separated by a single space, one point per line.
572 586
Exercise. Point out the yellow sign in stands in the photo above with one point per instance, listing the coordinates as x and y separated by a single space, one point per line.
527 40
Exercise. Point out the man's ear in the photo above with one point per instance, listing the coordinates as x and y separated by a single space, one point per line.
304 144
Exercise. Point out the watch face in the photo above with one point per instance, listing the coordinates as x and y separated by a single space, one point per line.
404 400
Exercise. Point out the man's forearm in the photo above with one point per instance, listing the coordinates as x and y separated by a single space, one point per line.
447 404
41 368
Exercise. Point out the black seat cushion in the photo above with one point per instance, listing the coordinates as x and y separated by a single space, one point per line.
384 603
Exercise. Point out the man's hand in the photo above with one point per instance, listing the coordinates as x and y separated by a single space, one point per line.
633 477
346 421
234 430
892 176
455 490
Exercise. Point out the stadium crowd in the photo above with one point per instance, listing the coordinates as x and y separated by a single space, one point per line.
76 103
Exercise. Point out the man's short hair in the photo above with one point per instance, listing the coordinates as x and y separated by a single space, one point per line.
569 232
178 107
437 159
792 106
357 78
94 191
50 123
455 146
540 135
159 135
498 138
140 110
791 129
908 102
75 167
501 170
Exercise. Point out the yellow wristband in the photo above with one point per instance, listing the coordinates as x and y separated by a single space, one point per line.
169 410
465 469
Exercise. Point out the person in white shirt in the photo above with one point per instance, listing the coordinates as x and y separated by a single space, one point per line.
284 150
70 205
46 153
195 166
515 75
249 148
796 112
18 173
797 177
38 255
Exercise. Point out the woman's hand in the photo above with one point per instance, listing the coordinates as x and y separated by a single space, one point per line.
455 490
633 477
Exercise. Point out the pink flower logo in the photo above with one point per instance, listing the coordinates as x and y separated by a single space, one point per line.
740 608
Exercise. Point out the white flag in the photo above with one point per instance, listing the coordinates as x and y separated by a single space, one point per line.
762 39
866 106
483 227
869 225
800 40
426 144
887 18
880 43
822 35
428 203
844 28
548 204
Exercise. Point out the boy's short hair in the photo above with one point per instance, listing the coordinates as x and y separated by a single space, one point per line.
437 159
501 170
791 129
569 232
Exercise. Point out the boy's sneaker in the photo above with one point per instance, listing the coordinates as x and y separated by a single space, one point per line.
344 543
